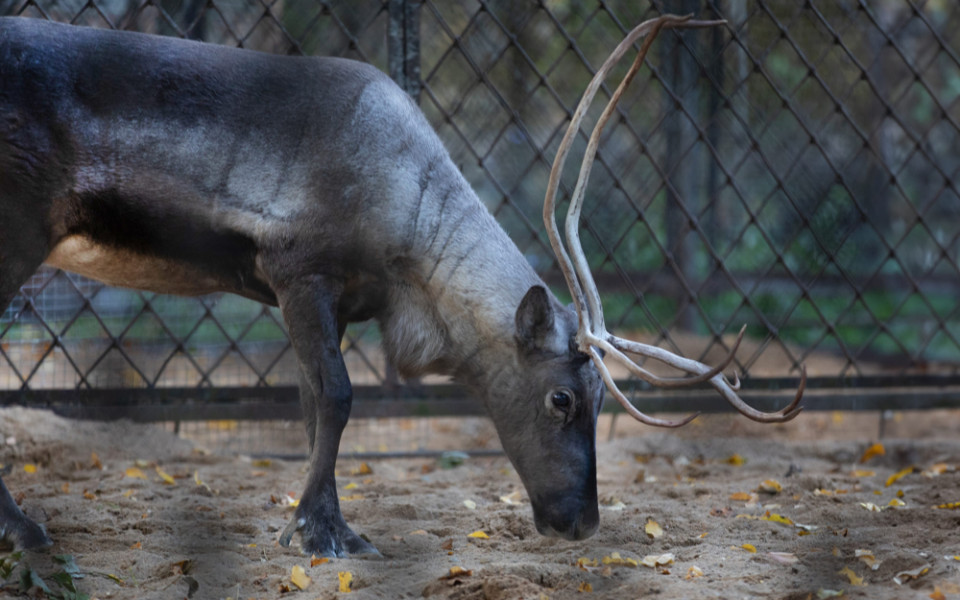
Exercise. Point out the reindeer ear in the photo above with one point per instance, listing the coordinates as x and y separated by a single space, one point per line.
535 319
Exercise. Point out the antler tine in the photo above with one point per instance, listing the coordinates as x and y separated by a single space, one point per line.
615 347
591 315
591 334
625 403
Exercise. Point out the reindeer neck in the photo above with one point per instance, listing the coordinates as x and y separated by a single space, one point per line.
469 280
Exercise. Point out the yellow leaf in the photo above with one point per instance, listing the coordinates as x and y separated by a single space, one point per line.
456 570
736 460
346 581
95 461
419 532
851 575
363 469
874 450
135 473
770 486
299 578
899 475
583 562
749 548
351 486
653 529
315 561
584 587
870 506
115 578
896 503
30 468
167 479
196 478
741 496
262 463
351 497
822 594
867 557
776 518
949 505
470 504
479 534
694 572
863 473
937 594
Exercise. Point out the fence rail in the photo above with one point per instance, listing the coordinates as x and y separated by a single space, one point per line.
795 170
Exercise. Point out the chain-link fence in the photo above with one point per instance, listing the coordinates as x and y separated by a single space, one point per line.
795 170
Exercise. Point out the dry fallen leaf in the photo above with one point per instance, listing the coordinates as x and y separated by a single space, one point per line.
616 559
768 516
167 479
905 576
736 460
868 558
937 594
900 475
657 560
744 496
30 468
653 529
863 473
512 498
694 572
363 469
770 486
852 576
135 473
346 580
871 506
583 562
470 504
457 571
949 505
351 486
822 593
874 450
749 548
479 534
299 577
95 461
783 558
418 532
316 561
584 587
896 503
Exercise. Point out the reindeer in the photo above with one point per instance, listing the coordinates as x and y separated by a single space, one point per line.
315 185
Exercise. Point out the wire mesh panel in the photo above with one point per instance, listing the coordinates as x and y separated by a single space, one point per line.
795 170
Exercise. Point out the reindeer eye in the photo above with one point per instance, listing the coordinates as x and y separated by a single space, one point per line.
561 399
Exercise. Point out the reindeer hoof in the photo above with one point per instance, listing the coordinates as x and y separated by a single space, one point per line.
332 540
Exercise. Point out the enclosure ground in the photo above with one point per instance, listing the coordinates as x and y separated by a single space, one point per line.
212 532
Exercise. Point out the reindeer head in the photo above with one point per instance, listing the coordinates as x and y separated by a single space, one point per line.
561 351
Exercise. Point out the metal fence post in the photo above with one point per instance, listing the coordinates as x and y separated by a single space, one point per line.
403 45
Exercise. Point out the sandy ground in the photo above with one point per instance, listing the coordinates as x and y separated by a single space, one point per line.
137 537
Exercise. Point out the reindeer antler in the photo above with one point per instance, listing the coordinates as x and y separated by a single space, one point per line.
592 335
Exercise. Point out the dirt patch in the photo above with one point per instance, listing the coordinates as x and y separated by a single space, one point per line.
143 538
